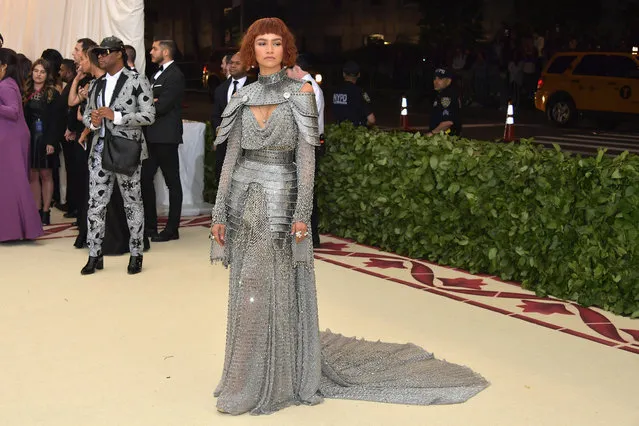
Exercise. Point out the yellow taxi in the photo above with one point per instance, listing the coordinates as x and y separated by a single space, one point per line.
574 83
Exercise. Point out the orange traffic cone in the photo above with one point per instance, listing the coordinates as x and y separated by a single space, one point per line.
509 129
403 116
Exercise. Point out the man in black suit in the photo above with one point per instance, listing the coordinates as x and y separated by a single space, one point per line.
163 139
222 96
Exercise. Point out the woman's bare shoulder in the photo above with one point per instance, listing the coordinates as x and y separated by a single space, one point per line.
307 88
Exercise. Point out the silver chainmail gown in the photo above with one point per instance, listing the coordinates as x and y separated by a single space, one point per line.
275 355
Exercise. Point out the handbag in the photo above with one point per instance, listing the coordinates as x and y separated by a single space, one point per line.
120 154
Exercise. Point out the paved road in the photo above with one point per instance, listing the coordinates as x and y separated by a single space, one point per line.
588 142
487 124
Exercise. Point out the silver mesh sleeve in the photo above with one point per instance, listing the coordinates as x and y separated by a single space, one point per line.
305 161
233 149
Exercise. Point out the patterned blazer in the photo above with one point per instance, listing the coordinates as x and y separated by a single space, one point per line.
133 98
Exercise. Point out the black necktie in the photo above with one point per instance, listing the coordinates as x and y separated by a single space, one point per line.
234 87
161 68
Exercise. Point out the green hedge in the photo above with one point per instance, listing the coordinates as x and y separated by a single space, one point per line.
562 225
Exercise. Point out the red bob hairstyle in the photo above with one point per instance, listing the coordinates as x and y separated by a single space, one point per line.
268 26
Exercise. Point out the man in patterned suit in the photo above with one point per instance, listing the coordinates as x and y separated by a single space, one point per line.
119 103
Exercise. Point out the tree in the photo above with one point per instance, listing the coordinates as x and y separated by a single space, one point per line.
445 23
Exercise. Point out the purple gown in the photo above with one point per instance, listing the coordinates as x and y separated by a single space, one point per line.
19 217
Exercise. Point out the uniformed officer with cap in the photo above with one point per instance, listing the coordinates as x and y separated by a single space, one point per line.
445 115
351 103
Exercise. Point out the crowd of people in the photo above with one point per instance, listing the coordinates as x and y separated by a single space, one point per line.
98 112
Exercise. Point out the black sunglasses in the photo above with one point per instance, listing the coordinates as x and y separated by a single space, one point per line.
106 52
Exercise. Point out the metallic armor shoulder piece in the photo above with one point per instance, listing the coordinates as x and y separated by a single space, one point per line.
268 90
305 113
228 117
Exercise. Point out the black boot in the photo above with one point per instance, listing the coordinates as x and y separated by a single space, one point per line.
93 264
135 265
80 241
46 218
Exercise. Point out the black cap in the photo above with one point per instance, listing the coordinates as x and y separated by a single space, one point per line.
443 73
109 43
351 68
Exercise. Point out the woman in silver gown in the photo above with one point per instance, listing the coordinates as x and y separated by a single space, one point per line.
275 355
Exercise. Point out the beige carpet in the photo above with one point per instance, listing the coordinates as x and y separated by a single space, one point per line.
111 349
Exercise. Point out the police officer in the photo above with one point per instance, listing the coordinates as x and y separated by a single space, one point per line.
350 103
445 115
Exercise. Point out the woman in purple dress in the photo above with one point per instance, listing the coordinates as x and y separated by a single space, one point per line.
19 219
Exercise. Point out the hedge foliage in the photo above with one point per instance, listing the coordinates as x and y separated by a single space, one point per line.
561 225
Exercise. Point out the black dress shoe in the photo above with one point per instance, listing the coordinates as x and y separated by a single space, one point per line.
61 207
151 234
71 215
135 265
166 236
93 264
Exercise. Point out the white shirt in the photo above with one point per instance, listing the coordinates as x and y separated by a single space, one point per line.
164 67
319 100
240 83
111 81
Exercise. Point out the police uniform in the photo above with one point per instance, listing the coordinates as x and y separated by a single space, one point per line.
350 102
446 107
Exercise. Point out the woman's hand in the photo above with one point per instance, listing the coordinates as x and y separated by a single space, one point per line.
79 73
300 230
69 136
217 233
83 93
50 149
83 138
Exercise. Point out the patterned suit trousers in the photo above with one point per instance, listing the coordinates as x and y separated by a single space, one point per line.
100 189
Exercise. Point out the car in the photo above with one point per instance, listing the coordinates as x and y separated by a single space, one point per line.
602 84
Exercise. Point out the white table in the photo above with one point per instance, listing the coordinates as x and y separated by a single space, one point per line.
191 154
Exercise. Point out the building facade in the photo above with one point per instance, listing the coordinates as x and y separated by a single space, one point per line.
322 26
